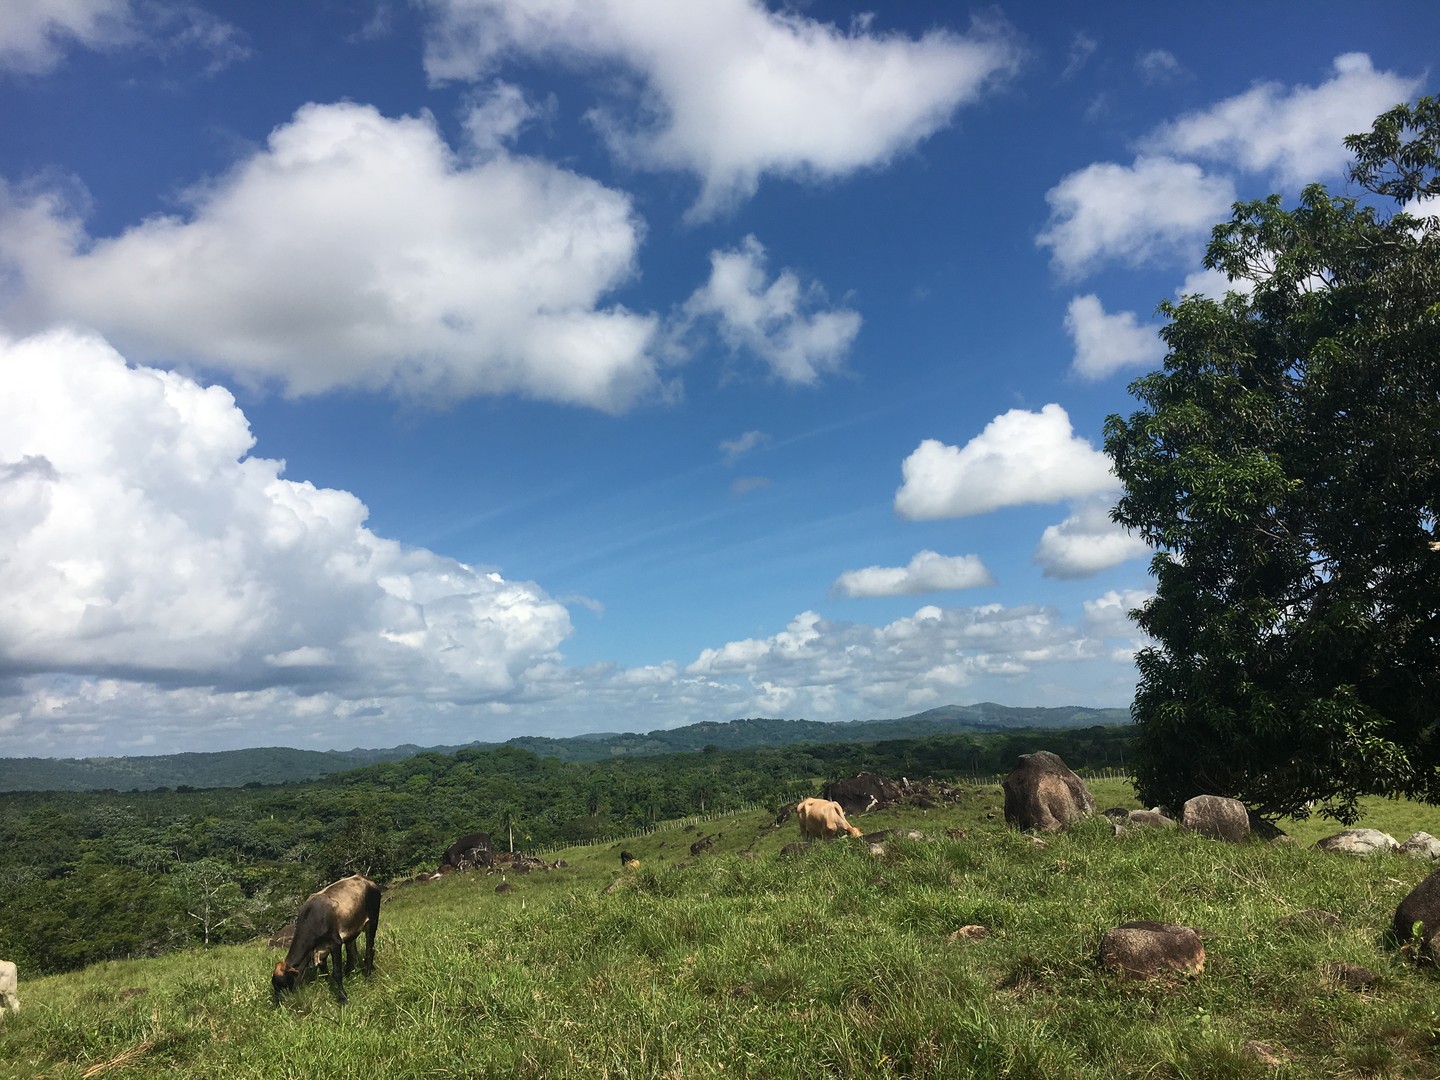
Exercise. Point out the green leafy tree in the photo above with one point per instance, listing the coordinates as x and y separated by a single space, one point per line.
1285 465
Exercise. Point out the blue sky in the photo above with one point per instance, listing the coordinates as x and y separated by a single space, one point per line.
459 369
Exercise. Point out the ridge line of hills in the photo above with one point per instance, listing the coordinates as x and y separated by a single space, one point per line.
279 764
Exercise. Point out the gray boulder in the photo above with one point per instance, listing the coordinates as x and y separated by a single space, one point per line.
1358 842
1217 817
1145 949
1421 845
1042 793
1419 914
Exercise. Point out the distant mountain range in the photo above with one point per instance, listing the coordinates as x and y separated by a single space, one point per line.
280 764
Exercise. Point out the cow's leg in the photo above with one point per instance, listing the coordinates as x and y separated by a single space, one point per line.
337 973
352 951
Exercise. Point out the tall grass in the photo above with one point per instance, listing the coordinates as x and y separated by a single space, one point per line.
834 963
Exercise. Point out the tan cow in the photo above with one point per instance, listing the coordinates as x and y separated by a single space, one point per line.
822 819
327 926
9 987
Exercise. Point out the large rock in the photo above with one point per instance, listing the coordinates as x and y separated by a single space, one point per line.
1421 845
470 852
1042 793
1145 949
1217 817
1421 906
863 792
1358 842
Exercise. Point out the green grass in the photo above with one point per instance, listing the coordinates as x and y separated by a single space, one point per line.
833 963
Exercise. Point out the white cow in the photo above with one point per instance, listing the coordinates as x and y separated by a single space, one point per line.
9 987
822 819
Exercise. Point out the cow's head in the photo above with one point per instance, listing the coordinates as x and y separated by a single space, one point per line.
283 978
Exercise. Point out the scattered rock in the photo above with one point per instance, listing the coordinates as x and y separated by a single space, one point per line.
956 834
133 992
705 843
794 849
1217 817
1145 949
1421 845
1126 821
471 852
1266 1054
1350 976
1042 793
1358 842
971 932
1420 906
504 887
863 792
1151 819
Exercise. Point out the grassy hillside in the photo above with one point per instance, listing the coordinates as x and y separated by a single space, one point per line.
837 962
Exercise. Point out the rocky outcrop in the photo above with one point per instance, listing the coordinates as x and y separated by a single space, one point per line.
1217 817
1042 793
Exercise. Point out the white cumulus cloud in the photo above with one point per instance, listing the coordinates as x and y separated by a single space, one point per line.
1104 343
926 572
1087 542
731 90
144 545
1156 209
781 321
356 250
1294 134
1021 457
35 33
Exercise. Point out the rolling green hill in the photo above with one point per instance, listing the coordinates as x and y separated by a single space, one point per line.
839 961
279 765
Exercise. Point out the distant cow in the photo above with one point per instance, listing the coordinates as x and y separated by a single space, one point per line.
329 921
823 819
470 851
9 987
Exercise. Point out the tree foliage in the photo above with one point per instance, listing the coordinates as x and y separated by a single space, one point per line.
1285 465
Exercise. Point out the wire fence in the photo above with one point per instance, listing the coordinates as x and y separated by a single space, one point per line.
675 824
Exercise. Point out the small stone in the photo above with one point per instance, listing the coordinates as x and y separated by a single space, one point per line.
1358 842
972 932
1263 1052
1350 976
1145 949
1421 845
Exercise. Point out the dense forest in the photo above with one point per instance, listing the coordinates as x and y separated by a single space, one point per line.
94 875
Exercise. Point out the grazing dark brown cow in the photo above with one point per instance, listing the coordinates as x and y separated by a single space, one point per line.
329 922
